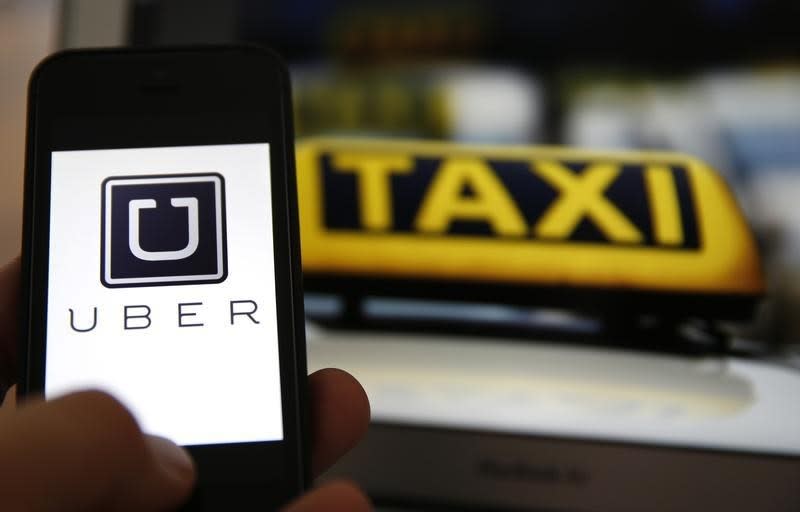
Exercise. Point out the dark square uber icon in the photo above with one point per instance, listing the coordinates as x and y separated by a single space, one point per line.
163 230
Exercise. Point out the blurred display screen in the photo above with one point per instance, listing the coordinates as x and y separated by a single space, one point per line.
716 80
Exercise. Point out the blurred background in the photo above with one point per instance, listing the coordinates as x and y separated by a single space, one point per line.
717 79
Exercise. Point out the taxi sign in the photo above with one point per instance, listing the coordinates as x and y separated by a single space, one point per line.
653 223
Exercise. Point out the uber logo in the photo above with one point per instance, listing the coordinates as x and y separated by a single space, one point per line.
163 230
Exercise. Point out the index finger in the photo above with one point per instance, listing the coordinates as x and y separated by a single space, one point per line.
339 416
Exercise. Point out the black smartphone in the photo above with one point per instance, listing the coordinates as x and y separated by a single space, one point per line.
161 256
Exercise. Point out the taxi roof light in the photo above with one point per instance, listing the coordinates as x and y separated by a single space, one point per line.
518 223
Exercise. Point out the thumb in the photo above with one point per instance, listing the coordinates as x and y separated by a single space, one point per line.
85 452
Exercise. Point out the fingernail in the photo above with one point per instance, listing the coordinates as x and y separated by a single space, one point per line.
171 458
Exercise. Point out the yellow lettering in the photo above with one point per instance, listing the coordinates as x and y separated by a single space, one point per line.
664 205
490 202
374 194
581 195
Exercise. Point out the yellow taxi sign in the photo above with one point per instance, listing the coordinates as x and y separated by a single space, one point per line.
541 216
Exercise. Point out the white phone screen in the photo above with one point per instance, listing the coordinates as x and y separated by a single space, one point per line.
161 288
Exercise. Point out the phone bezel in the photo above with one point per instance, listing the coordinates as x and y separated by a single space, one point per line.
196 90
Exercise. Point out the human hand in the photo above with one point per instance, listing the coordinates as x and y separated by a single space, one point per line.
85 452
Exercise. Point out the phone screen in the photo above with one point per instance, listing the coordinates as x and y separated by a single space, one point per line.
161 288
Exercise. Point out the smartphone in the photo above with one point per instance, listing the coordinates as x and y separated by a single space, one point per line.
161 256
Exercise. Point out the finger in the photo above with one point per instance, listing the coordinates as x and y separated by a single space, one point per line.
9 310
339 416
332 497
9 403
86 452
